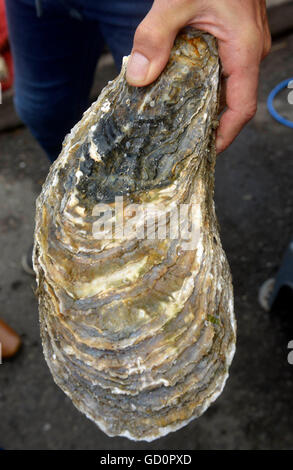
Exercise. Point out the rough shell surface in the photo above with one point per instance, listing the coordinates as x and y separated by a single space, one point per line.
138 332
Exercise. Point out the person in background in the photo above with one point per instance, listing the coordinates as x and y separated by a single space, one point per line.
9 340
6 66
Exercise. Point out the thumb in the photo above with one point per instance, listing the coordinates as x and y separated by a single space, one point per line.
152 44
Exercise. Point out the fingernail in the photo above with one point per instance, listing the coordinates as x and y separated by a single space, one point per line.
219 144
137 67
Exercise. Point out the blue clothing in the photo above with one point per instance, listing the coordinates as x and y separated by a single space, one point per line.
56 45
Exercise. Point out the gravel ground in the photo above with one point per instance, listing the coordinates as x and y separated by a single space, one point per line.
255 208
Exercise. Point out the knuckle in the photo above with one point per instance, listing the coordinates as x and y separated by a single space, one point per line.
142 31
146 34
267 45
249 111
251 42
256 42
251 34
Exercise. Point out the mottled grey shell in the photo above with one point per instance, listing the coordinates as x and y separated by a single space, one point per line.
139 333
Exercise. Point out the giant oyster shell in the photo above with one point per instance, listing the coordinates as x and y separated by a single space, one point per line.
139 331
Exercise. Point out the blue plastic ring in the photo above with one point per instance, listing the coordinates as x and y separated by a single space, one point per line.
270 103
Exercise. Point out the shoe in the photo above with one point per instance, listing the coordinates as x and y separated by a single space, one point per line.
10 341
27 262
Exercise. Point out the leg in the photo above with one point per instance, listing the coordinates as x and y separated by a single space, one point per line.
54 59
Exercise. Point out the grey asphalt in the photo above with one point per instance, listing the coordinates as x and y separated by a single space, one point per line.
254 203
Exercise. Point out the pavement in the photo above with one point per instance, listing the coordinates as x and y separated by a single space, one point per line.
254 204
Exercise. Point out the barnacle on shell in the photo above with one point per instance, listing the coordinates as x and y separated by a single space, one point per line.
138 331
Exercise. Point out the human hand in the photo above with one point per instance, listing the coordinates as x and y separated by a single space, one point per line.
242 30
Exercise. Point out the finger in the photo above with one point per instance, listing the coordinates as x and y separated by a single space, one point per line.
153 41
241 99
